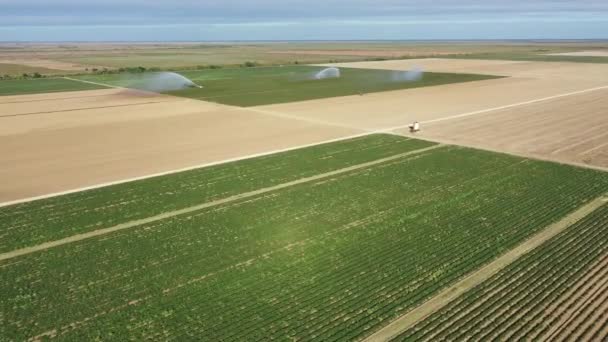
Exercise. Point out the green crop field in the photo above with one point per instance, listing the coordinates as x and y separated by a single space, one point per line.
268 85
528 298
42 85
384 223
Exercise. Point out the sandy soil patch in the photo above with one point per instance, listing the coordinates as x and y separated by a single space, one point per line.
83 148
573 128
22 114
588 53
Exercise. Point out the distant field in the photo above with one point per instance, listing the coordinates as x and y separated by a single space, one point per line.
18 69
335 257
42 85
172 55
269 85
535 57
557 290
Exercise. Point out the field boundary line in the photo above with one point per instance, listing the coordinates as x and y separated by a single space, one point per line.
188 168
438 301
169 214
95 83
532 156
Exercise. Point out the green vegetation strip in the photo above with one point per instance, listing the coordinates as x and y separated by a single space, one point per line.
336 258
34 223
525 300
43 85
166 215
268 85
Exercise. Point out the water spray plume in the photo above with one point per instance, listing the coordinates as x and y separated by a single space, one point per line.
328 73
163 81
411 75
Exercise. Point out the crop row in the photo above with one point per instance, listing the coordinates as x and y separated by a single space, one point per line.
335 259
58 217
532 297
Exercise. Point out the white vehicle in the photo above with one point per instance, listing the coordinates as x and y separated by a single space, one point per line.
414 127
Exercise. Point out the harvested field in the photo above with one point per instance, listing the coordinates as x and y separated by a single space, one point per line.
591 53
30 113
130 135
361 234
570 129
557 292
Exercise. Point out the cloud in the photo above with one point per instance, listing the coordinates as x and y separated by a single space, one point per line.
135 12
300 19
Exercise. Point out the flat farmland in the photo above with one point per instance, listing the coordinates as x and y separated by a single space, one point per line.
548 110
523 82
268 85
556 292
335 251
89 210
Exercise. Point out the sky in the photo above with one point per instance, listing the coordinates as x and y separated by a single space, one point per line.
222 20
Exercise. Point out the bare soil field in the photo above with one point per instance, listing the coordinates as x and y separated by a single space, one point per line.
553 104
30 113
572 128
128 135
591 53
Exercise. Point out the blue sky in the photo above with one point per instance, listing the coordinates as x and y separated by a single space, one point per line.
190 20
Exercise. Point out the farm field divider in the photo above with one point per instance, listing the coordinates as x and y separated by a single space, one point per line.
334 258
541 296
